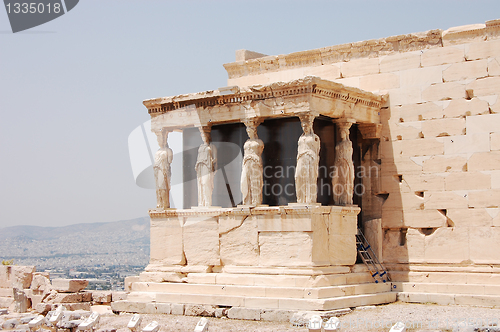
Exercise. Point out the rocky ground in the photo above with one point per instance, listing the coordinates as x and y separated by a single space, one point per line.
417 317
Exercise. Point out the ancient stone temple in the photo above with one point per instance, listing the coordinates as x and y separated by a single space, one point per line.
397 137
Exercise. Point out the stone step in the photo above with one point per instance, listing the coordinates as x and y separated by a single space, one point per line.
246 279
447 299
139 300
144 290
447 288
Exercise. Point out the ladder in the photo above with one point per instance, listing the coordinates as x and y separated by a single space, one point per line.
366 253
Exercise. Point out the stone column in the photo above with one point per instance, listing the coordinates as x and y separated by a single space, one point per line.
343 180
162 171
306 173
252 180
206 164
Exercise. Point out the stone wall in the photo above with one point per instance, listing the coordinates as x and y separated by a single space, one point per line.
440 140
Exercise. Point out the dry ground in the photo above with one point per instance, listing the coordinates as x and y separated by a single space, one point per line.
418 317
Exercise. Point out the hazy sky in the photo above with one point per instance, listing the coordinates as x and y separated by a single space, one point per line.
71 90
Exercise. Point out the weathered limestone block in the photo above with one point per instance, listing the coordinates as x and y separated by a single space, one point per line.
66 298
201 241
468 181
392 218
13 276
230 222
374 235
418 112
446 163
487 123
360 67
403 201
101 296
403 130
398 166
495 141
21 302
34 298
421 77
495 179
378 82
342 249
400 61
484 198
443 127
394 246
351 81
405 95
342 224
465 144
69 285
240 245
422 147
463 107
494 67
445 200
424 219
326 72
177 309
485 86
418 183
161 277
40 283
244 313
285 222
200 310
469 217
6 302
484 245
466 70
118 296
166 240
126 306
484 161
443 55
129 281
483 50
286 248
444 91
447 245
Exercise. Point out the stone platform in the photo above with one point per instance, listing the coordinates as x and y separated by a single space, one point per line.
295 257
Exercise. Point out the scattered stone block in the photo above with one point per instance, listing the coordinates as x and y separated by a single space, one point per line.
244 313
40 283
152 327
90 323
57 315
220 312
200 310
43 308
276 315
134 323
10 324
37 322
202 325
78 306
101 309
4 311
69 285
177 309
129 281
21 302
398 327
101 297
68 324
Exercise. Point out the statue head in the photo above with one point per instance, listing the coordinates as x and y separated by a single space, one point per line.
162 138
306 121
205 134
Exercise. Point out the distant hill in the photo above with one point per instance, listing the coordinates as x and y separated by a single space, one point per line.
80 245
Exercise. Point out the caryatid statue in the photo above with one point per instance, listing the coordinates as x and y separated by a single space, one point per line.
306 174
206 164
162 171
343 181
252 180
